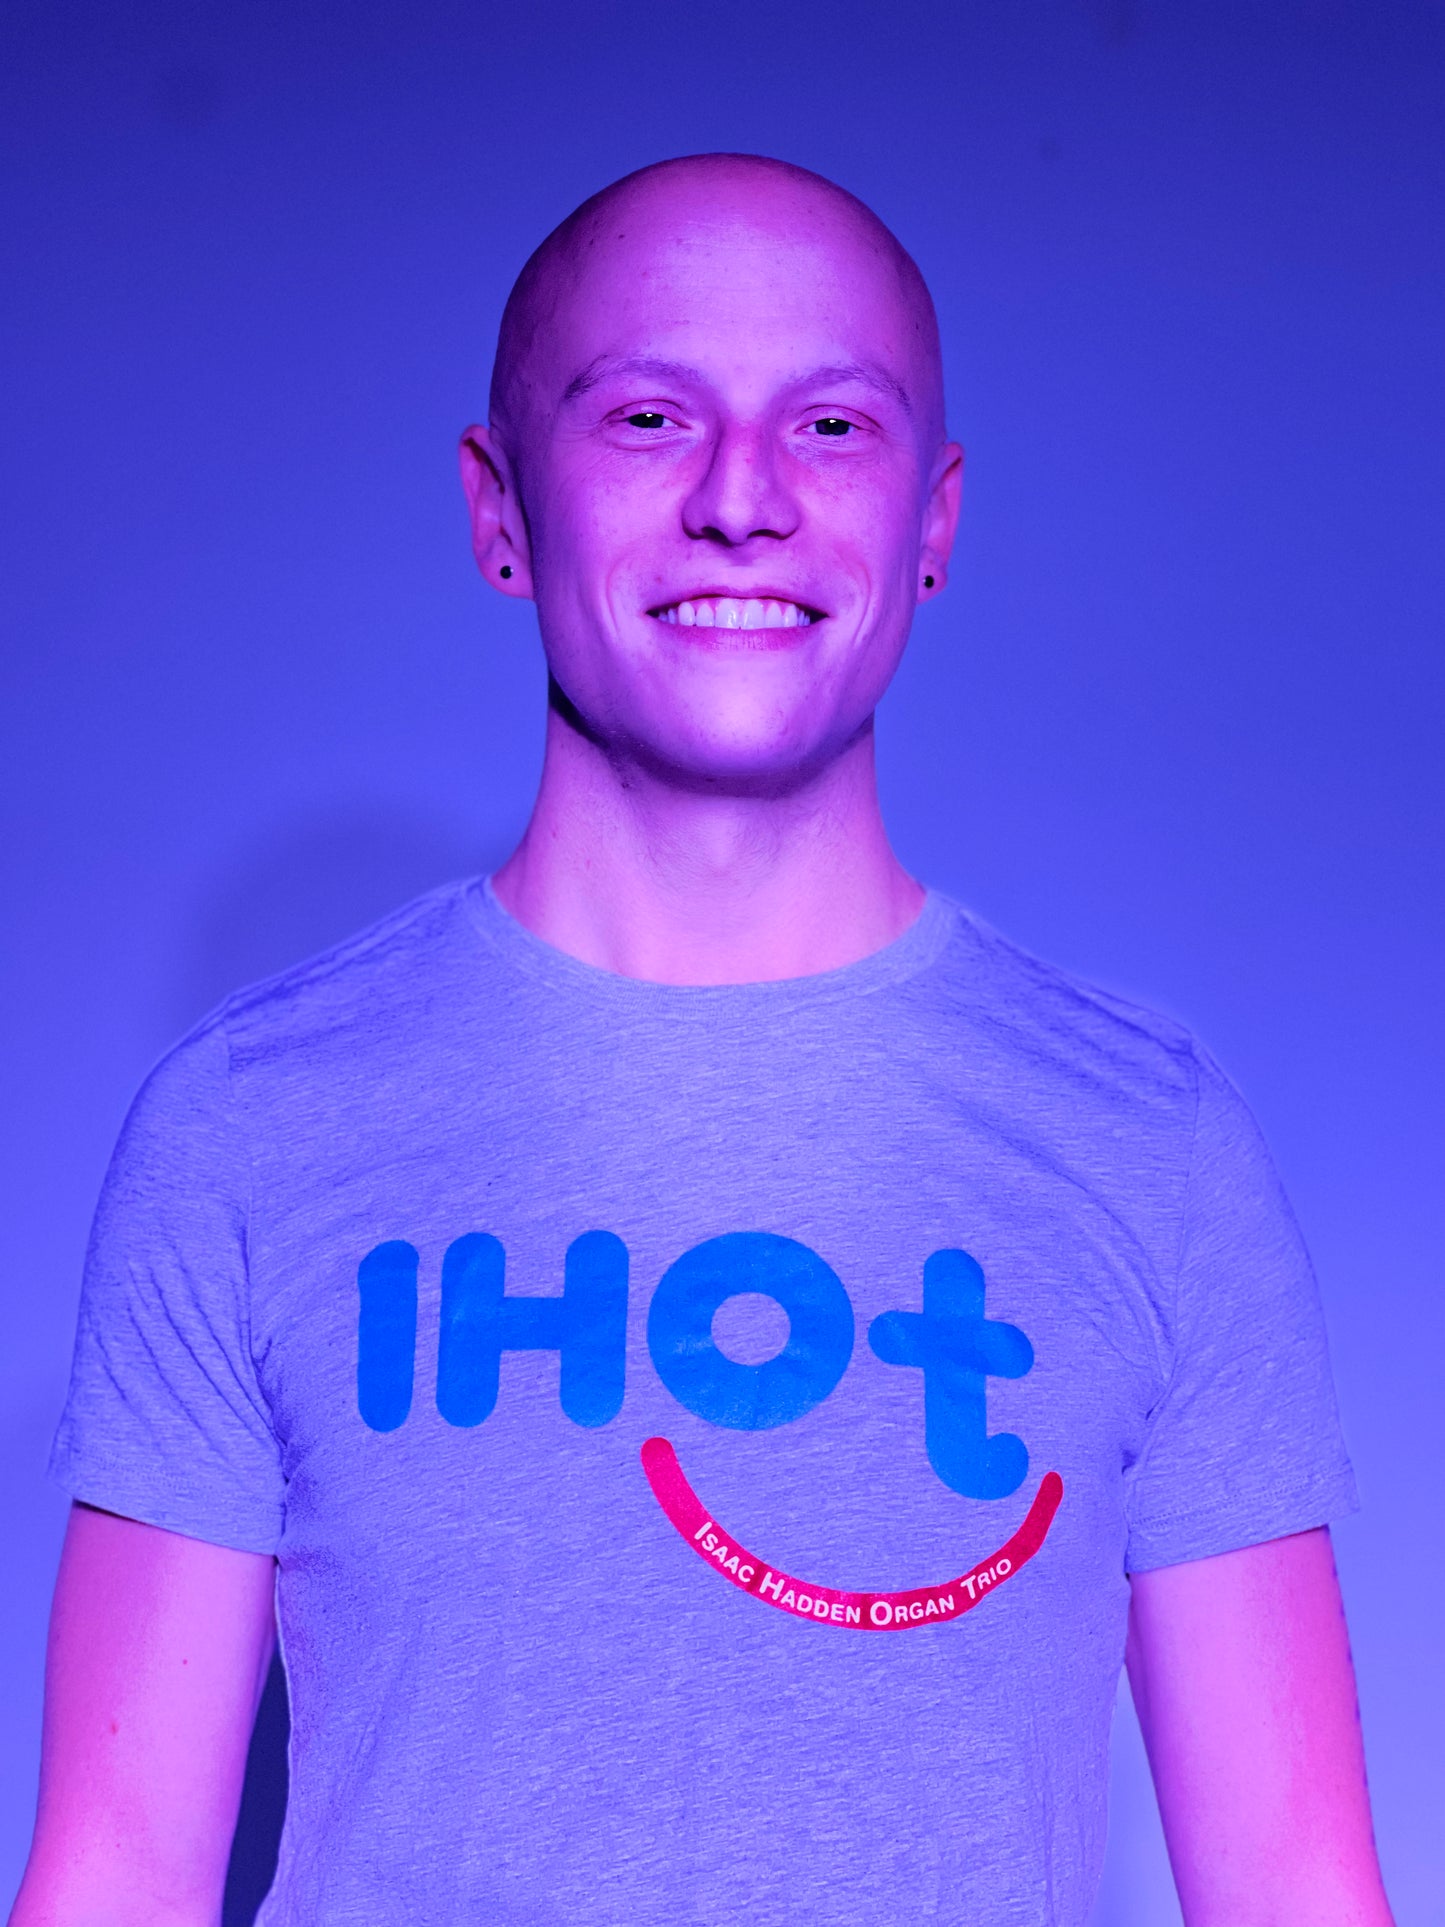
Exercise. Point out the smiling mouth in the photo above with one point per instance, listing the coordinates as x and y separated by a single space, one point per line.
867 1611
737 612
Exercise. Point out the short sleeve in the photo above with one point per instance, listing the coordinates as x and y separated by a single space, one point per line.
165 1420
1244 1444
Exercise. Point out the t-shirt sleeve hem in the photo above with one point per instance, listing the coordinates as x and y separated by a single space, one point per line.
1210 1530
232 1527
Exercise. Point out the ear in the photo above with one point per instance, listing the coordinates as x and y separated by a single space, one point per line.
499 531
940 521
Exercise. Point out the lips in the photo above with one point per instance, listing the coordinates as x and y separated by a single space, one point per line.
737 612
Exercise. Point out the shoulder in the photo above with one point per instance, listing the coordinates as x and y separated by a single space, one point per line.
1056 1028
341 1008
394 961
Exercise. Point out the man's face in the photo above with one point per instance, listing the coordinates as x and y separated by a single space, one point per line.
732 483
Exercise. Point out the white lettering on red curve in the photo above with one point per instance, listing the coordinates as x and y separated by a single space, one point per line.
876 1612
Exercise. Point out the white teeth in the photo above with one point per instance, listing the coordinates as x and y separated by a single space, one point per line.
735 612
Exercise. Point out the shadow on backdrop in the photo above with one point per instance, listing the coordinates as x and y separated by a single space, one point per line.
263 1806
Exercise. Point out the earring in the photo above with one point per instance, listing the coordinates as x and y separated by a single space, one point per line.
506 572
928 582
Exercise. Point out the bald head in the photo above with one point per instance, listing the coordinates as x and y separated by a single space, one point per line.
716 464
620 238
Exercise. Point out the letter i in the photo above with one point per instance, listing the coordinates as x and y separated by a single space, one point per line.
386 1334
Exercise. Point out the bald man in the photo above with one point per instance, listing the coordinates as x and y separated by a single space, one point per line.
712 1356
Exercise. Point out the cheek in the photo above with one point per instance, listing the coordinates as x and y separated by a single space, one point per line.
609 505
867 511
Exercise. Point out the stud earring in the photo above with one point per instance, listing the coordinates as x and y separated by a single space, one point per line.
928 582
506 572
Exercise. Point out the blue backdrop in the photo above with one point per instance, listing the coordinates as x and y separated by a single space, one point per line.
1176 724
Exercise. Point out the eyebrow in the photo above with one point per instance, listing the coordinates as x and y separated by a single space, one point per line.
605 365
870 374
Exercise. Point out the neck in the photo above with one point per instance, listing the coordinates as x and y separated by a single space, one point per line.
626 871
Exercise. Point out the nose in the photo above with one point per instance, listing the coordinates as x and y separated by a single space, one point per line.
740 494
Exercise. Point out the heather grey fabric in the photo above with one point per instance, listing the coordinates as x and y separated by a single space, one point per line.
520 1697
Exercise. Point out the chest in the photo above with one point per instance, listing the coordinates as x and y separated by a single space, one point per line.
867 1335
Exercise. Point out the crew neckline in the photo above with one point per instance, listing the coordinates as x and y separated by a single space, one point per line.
908 953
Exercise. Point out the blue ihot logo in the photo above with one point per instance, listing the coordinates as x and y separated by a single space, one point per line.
951 1342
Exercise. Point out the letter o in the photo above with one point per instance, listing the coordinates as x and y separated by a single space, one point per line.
1004 1567
881 1613
750 1398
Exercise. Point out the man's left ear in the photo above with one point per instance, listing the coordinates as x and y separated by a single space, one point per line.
499 532
940 521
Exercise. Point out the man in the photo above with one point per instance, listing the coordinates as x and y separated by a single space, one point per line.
712 1348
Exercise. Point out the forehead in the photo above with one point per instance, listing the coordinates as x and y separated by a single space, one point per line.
751 290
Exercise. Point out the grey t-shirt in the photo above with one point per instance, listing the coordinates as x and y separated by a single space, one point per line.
704 1433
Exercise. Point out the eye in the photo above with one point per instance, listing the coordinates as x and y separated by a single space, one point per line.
649 418
832 425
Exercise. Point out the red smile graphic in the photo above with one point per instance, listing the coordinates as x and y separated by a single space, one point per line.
869 1611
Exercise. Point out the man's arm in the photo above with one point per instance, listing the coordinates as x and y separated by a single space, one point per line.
159 1646
1241 1674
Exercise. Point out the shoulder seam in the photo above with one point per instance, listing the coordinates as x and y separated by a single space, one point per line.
1169 1033
1182 1239
247 1246
1188 1192
1175 1344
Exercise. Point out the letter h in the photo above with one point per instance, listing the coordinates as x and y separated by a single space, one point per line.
587 1324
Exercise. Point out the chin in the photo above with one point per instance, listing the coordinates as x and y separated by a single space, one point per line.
736 763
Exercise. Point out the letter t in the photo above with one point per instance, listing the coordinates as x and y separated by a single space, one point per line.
957 1349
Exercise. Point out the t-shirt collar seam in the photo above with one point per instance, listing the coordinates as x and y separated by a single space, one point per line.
519 949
